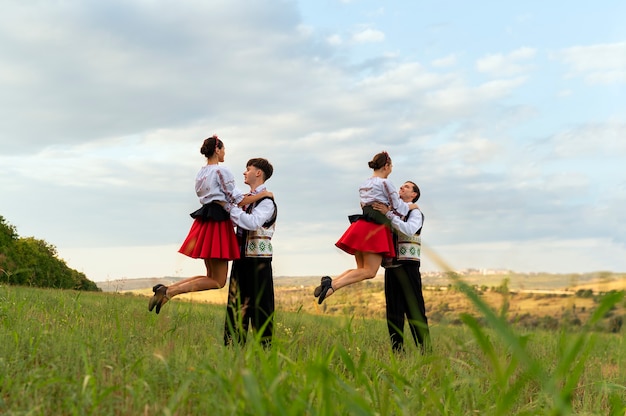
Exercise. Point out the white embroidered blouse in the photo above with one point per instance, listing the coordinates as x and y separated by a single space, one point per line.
382 190
217 183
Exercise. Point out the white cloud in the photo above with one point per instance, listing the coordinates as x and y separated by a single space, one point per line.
305 31
596 139
597 64
471 148
334 40
368 36
445 62
460 99
513 63
404 80
565 93
376 12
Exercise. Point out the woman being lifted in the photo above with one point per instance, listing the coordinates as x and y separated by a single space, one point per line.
211 237
368 238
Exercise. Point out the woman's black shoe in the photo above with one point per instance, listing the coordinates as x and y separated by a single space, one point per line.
326 286
160 295
323 280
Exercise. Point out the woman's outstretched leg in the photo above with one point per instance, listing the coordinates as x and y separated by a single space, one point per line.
215 278
367 267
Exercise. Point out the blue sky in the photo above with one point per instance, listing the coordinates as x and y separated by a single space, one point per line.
510 117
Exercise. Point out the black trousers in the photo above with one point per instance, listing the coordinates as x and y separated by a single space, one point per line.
404 297
250 301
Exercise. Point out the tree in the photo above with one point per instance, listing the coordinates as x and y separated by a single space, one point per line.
32 262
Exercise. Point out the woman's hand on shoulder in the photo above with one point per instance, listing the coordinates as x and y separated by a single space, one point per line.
249 199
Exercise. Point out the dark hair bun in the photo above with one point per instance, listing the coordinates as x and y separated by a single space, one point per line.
379 160
209 145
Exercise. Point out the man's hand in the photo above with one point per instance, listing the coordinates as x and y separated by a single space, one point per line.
250 199
379 206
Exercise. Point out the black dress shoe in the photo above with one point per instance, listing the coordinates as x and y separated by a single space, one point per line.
326 286
152 303
160 295
323 280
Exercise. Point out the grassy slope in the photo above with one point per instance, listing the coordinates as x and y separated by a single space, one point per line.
65 352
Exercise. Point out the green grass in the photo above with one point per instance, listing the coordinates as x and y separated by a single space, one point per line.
75 353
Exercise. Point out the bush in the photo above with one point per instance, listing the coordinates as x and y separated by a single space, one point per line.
32 262
615 324
584 293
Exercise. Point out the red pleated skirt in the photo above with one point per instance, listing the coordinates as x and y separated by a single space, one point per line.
211 240
369 237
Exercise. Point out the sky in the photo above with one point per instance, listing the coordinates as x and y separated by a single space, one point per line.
510 116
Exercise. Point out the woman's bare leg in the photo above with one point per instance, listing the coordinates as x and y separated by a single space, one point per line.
188 282
219 271
367 267
358 257
215 278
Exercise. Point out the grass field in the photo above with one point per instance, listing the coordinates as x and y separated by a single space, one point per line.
74 353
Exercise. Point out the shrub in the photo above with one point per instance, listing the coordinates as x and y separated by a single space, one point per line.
32 262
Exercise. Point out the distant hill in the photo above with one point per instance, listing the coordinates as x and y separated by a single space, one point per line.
122 285
549 302
516 281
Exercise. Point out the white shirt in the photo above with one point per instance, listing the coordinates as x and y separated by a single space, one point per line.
261 213
410 226
382 190
217 183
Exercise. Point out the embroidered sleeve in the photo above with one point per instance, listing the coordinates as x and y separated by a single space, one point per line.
227 185
411 225
254 220
398 206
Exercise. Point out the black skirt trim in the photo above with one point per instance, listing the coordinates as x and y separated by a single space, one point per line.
211 212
